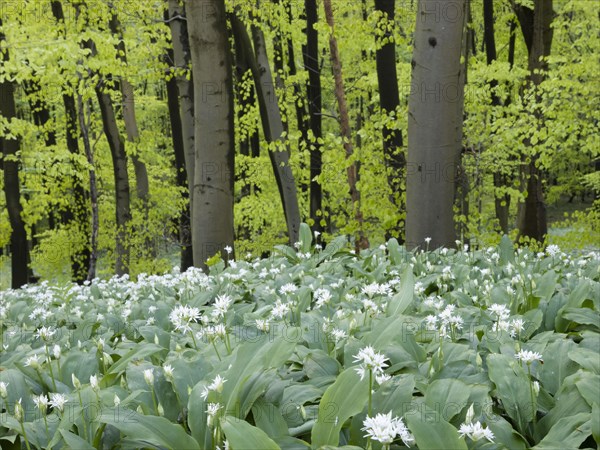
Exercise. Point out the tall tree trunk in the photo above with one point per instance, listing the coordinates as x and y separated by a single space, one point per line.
184 225
389 100
78 216
185 86
213 195
537 31
89 155
19 247
131 127
119 158
501 200
311 63
362 242
116 144
271 122
435 123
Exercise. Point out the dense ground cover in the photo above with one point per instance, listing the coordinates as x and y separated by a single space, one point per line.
312 348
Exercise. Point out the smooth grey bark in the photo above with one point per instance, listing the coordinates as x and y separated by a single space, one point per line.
19 247
182 61
435 120
271 122
213 196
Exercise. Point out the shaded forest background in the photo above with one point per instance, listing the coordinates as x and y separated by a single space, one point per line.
102 104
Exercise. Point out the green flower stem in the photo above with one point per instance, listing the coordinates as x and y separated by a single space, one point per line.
98 437
24 435
194 340
50 367
215 347
370 391
533 414
227 343
154 400
85 433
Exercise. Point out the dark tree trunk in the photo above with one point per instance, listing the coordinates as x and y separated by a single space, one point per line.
84 126
119 159
184 225
19 247
78 215
271 122
185 86
389 100
311 63
537 32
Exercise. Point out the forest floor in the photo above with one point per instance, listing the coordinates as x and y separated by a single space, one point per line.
556 214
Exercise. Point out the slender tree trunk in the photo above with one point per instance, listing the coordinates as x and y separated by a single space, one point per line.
185 86
435 123
389 101
213 195
362 242
116 144
78 216
271 123
119 158
311 63
131 127
184 225
537 31
89 155
501 200
19 247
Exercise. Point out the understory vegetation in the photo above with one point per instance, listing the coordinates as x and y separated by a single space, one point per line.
312 348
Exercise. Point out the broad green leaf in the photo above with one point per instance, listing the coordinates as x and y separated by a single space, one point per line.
595 418
570 432
241 435
148 429
317 364
268 418
395 395
505 434
403 299
557 365
586 358
512 388
583 316
589 387
506 250
75 442
435 434
344 398
305 238
448 396
140 351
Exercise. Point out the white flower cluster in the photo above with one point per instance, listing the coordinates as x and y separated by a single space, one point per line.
383 428
475 431
528 357
182 316
370 361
